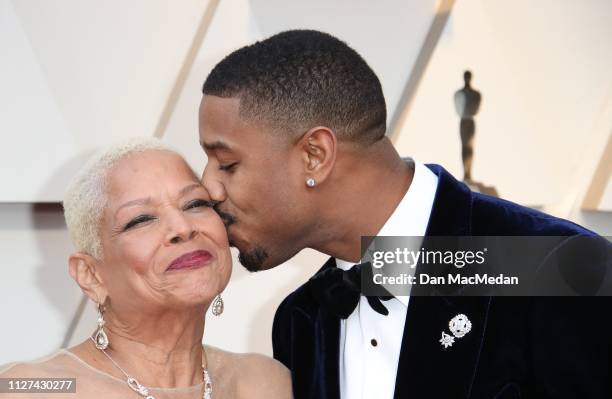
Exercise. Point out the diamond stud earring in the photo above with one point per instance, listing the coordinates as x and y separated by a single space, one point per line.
310 182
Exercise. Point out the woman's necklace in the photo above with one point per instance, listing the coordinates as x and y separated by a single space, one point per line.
144 391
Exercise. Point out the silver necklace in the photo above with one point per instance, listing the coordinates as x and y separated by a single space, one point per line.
144 391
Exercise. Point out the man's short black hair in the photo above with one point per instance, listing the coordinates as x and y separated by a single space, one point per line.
300 79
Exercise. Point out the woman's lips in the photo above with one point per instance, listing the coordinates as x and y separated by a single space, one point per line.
191 260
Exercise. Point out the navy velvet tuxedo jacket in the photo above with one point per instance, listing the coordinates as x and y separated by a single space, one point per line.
519 347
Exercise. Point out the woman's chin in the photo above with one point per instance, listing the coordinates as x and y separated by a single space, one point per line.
191 298
190 303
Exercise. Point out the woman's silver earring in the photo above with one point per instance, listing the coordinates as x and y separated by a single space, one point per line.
217 305
310 182
101 339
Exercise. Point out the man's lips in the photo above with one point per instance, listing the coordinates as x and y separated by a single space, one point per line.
191 260
227 218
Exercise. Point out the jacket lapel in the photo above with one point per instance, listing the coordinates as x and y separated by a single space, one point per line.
323 351
426 368
327 328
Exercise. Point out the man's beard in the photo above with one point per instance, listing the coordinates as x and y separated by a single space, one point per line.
253 260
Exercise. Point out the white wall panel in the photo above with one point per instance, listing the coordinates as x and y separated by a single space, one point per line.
82 74
37 296
606 199
543 70
35 139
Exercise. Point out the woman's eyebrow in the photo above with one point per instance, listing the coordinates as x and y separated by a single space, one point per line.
139 201
187 189
146 201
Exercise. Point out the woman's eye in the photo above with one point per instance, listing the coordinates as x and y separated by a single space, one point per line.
137 220
199 203
229 167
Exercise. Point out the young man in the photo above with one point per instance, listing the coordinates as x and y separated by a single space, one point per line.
294 129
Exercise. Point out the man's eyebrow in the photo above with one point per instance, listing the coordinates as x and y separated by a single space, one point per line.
215 145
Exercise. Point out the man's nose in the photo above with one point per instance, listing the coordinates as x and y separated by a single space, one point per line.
215 188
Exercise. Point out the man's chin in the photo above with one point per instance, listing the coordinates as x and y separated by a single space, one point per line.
254 260
253 257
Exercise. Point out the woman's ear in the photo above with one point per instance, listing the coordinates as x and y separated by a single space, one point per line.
82 268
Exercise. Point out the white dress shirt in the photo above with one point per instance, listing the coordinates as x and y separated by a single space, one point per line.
370 343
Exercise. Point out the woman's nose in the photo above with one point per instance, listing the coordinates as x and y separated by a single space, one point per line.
179 229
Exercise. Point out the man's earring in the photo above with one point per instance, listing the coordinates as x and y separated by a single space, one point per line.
310 182
101 339
217 305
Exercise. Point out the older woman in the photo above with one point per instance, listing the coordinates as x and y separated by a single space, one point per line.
153 256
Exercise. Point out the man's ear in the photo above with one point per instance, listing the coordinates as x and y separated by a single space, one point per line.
82 268
318 147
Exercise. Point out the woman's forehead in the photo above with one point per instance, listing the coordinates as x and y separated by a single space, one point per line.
148 173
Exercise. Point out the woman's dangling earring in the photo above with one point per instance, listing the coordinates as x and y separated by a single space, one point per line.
101 339
217 305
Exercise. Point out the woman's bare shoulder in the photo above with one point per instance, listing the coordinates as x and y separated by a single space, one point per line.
48 366
260 376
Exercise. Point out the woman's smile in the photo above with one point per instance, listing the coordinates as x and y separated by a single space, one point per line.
191 260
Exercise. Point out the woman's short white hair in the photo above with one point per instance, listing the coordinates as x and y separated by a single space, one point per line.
86 196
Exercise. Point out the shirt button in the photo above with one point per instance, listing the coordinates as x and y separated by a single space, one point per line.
374 342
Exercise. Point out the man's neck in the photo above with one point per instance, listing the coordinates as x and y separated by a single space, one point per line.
367 191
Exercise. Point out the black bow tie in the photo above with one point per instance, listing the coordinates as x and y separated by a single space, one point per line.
339 290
